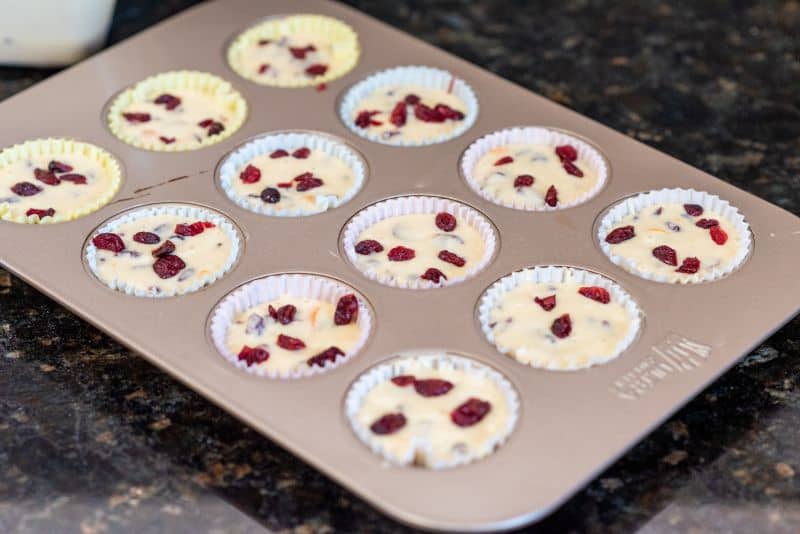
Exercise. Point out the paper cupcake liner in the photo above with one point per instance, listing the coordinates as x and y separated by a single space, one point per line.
394 207
273 287
233 163
346 50
53 148
412 75
532 135
403 364
557 275
190 213
710 202
171 81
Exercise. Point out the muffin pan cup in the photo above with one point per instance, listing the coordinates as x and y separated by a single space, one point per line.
570 426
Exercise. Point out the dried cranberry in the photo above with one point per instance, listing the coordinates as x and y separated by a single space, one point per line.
167 247
403 380
49 212
448 113
618 235
328 355
596 293
401 253
368 246
445 221
280 153
108 241
666 254
25 189
411 99
450 257
695 210
432 387
572 169
399 114
317 69
562 326
707 223
168 265
77 179
264 67
136 117
346 310
215 128
551 197
170 101
547 303
566 153
46 177
284 314
57 166
304 184
253 355
689 266
264 42
427 114
388 424
189 230
167 140
270 195
719 235
285 185
505 160
148 238
290 343
523 180
434 275
250 175
205 123
364 119
300 53
470 412
301 153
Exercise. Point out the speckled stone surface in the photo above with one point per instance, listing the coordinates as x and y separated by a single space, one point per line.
94 439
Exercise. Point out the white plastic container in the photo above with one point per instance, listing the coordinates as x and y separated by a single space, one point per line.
52 32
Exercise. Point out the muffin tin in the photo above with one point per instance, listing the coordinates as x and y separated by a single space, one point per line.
571 425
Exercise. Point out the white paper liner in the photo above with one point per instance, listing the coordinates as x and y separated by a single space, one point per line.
231 167
682 196
271 288
191 214
403 364
557 275
394 207
411 75
539 136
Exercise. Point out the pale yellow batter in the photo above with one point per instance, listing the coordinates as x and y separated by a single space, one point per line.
313 324
539 162
285 59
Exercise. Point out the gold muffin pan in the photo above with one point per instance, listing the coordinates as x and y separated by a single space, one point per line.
571 424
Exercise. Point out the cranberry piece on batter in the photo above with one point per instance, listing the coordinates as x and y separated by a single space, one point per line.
505 160
434 275
388 424
364 119
401 253
136 117
523 180
666 254
328 355
596 293
566 153
618 235
719 235
689 266
445 221
170 101
253 355
450 257
562 326
470 412
46 177
551 197
695 210
250 175
167 247
346 310
108 241
432 387
77 179
368 246
146 238
49 212
399 114
57 166
547 303
290 343
168 266
25 189
403 380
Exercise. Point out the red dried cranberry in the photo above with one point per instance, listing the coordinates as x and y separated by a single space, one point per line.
596 293
445 221
523 180
707 223
301 153
250 175
432 387
46 177
388 424
205 123
403 380
167 247
562 326
57 166
108 241
49 212
572 169
689 266
551 197
547 303
505 160
411 99
666 254
290 343
300 53
450 257
304 184
136 117
448 113
285 185
284 314
170 101
719 235
434 275
77 179
399 114
215 128
280 153
25 189
346 310
167 140
168 265
364 119
618 235
189 230
368 246
317 69
264 67
470 412
328 355
148 238
270 195
566 153
695 210
208 224
253 355
264 42
427 114
401 253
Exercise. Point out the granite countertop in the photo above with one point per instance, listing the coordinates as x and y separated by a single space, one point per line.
94 438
